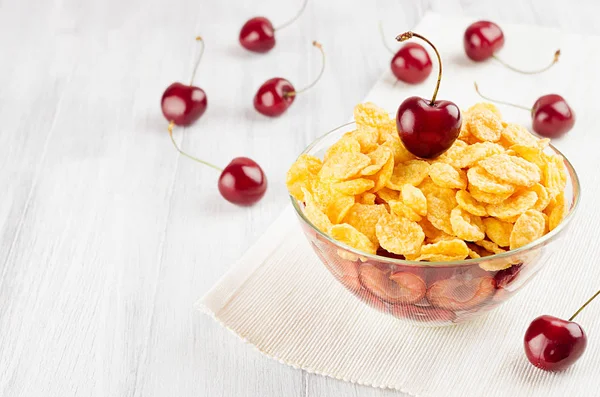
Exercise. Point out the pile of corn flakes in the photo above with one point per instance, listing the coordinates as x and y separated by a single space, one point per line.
495 189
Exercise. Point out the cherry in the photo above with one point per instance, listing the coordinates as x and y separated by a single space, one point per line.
551 115
242 181
392 287
483 39
411 63
258 33
183 104
276 95
461 293
427 128
553 344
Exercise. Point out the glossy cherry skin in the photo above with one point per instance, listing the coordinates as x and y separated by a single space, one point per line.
411 63
258 35
482 40
552 116
183 104
272 97
554 344
428 130
242 182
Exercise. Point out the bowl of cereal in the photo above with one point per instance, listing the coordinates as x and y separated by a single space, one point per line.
433 241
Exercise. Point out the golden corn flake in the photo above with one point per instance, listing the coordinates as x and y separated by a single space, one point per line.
466 226
445 175
364 218
399 235
301 173
496 188
403 210
414 198
485 125
528 228
514 205
445 250
343 166
354 186
482 180
352 238
511 169
344 145
412 172
498 231
466 201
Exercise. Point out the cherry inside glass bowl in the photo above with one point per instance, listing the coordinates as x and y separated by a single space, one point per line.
433 293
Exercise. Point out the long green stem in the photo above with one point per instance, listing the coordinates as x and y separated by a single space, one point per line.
198 38
385 43
514 69
311 85
498 101
584 305
408 35
171 126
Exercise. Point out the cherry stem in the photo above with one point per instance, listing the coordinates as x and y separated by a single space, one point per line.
584 305
514 69
171 126
498 101
291 21
408 35
311 85
198 38
385 43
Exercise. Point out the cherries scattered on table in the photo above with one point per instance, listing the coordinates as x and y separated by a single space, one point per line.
276 95
553 344
411 63
258 33
483 39
427 128
551 115
183 104
242 181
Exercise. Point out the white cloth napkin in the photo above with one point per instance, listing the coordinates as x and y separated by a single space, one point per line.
281 299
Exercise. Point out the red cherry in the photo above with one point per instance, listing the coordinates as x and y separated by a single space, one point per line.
276 95
411 63
183 104
507 276
258 33
482 39
551 115
398 287
242 182
427 128
554 344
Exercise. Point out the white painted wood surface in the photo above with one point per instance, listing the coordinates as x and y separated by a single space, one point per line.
107 236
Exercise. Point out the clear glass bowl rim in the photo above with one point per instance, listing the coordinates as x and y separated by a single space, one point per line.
465 262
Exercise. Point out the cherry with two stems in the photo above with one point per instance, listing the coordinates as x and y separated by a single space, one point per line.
483 39
411 63
276 95
551 115
183 104
258 33
241 182
553 344
427 128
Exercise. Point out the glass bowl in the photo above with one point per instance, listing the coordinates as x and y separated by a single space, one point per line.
433 293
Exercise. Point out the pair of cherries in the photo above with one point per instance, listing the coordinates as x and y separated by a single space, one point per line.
551 114
242 181
275 95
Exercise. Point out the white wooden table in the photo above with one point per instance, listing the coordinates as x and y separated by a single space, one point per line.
107 236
